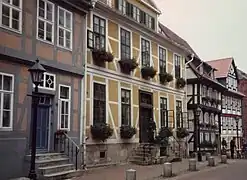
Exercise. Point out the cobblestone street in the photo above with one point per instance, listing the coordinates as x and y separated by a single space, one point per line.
143 172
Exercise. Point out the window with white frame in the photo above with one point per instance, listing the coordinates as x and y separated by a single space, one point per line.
45 21
146 54
6 100
177 64
11 14
48 81
64 106
65 19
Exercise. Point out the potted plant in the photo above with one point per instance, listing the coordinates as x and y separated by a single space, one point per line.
128 65
182 133
101 131
165 77
100 56
180 83
148 72
163 135
127 131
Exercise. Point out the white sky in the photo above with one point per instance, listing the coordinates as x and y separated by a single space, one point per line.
213 28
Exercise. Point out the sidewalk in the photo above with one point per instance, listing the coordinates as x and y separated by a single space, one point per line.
143 172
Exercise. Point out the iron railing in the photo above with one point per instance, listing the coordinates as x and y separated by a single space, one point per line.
65 144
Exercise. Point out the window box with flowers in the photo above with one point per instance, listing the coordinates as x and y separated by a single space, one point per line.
127 131
128 65
101 131
180 83
148 72
165 77
163 135
100 56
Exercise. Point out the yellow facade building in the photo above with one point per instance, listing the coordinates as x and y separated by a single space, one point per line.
120 92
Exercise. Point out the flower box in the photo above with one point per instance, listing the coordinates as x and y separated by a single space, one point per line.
127 132
100 56
101 131
148 72
128 65
180 83
165 77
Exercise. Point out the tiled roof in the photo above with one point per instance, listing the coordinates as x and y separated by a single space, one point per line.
174 37
151 3
241 74
222 66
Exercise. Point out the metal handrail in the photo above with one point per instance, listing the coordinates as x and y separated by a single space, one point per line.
61 146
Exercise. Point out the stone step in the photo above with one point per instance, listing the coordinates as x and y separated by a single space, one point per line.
55 168
46 156
52 162
63 175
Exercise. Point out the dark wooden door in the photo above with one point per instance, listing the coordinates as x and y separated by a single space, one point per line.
145 115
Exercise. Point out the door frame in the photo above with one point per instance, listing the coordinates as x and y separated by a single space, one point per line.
140 107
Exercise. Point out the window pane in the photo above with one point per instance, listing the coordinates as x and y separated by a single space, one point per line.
1 82
66 121
68 39
49 11
64 92
41 32
61 17
7 83
15 24
15 14
16 2
61 37
68 20
62 121
6 11
6 119
6 101
49 32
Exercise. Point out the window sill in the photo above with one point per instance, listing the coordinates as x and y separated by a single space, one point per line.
6 129
64 48
11 29
46 42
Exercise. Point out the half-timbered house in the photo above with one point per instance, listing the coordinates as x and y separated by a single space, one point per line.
53 32
128 52
231 117
204 106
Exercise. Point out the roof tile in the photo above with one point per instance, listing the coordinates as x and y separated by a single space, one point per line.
222 66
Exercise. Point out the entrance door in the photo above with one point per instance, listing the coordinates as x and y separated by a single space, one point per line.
43 123
145 115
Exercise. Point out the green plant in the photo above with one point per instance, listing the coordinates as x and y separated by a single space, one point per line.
182 133
127 131
102 55
165 77
163 135
148 71
128 65
101 131
180 83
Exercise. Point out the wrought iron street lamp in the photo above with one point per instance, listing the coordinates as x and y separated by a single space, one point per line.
36 72
198 113
237 121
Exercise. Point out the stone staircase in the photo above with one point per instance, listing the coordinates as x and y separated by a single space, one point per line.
144 154
54 166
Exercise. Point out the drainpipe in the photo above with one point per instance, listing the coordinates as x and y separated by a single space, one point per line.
185 98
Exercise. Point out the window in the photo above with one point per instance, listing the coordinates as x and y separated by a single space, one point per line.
99 103
45 21
122 6
204 91
125 44
11 14
179 113
223 102
97 39
48 81
147 20
126 107
64 102
223 123
64 28
135 13
177 66
145 47
163 112
162 60
6 100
